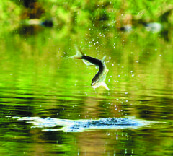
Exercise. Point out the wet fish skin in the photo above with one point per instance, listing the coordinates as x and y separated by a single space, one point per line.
100 76
98 63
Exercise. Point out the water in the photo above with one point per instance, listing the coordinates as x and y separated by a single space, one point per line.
39 79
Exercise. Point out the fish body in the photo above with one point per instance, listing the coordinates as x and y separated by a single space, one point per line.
100 76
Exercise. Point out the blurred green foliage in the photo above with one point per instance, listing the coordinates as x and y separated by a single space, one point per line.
86 11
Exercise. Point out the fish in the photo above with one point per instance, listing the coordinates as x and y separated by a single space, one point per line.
100 77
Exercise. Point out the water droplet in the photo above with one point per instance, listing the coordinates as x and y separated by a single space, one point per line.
108 134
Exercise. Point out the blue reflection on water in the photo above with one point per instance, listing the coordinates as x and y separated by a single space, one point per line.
82 125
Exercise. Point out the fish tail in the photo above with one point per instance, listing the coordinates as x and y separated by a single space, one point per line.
79 54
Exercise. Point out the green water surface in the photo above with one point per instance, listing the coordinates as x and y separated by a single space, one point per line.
39 79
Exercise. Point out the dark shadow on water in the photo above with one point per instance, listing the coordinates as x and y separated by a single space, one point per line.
155 109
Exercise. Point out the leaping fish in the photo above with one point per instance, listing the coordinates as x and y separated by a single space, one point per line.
99 78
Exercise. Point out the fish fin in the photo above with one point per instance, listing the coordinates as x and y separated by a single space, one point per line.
79 54
103 84
103 59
